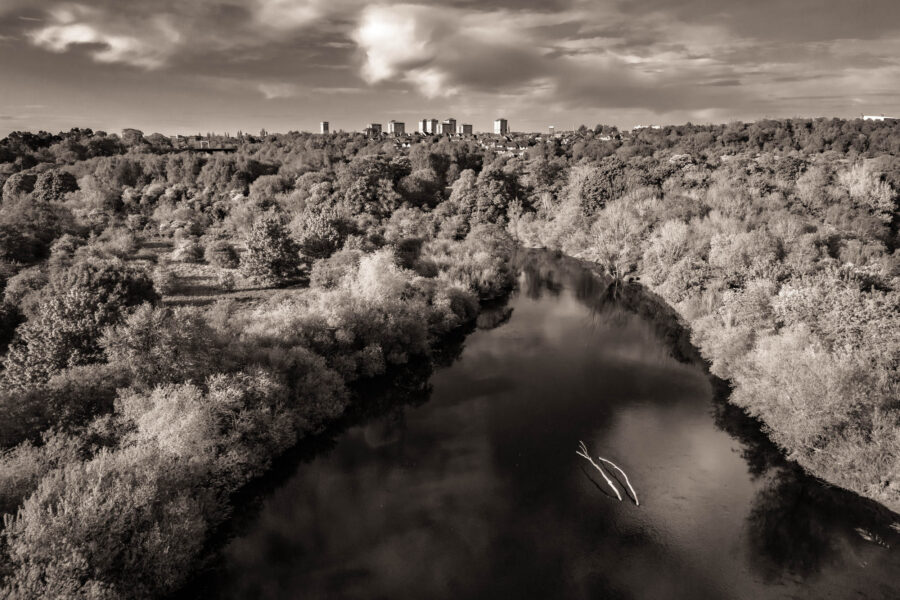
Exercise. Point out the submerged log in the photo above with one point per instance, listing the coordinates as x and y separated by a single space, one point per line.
582 452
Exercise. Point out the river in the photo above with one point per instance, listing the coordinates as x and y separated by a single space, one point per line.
473 489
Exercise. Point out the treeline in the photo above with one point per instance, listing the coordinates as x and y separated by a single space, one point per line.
135 409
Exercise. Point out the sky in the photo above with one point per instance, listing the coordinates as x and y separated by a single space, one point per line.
187 66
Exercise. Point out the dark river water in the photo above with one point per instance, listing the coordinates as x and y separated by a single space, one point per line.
472 489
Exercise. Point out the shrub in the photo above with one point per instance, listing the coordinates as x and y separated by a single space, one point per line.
68 400
226 281
53 185
165 280
221 254
235 426
23 467
328 272
188 250
122 524
162 345
479 264
23 289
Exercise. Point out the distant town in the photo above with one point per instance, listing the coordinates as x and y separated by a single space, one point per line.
502 140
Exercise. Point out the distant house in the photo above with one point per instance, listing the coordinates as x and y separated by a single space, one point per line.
877 118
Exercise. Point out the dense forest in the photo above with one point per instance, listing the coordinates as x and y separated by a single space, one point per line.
173 320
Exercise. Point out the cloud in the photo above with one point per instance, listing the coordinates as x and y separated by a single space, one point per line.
441 51
444 52
167 33
108 41
273 91
666 57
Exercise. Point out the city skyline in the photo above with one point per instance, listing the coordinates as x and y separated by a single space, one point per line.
174 67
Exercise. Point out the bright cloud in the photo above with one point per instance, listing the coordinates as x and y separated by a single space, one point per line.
74 25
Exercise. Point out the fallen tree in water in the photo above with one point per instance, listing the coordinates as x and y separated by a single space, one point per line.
627 482
584 454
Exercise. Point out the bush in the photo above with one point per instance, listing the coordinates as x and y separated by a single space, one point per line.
68 400
221 254
165 280
318 232
235 426
328 272
22 468
479 264
188 250
23 290
226 281
122 524
162 345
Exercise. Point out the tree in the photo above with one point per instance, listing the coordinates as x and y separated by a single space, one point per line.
52 186
591 187
318 231
162 345
272 256
617 234
496 189
122 524
132 137
18 247
77 305
18 185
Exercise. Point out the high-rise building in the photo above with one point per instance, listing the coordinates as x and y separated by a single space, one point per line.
434 126
552 129
464 129
373 130
501 126
323 127
423 126
396 127
448 126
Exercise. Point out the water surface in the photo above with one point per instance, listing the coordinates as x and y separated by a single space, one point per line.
476 491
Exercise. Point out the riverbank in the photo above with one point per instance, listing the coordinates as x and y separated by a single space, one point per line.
868 478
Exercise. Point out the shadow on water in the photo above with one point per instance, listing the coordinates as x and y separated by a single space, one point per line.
381 401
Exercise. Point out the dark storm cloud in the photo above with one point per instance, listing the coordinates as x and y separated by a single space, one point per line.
675 59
